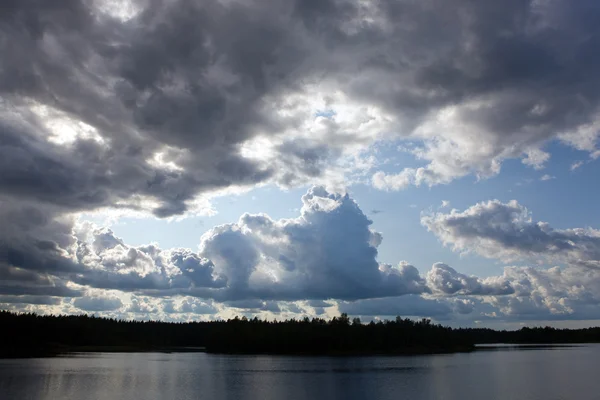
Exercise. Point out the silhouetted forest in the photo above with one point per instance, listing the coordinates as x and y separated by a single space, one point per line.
35 335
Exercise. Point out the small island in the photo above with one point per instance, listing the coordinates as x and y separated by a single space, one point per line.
31 335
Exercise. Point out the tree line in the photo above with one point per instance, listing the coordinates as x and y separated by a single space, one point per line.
34 335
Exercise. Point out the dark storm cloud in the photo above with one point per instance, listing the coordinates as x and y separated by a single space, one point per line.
43 300
34 256
195 80
54 289
155 64
319 303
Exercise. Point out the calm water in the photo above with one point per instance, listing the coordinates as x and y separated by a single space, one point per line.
567 373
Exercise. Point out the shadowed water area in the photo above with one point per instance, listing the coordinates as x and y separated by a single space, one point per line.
503 373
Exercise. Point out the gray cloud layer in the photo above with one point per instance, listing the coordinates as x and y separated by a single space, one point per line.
149 112
507 231
192 83
445 280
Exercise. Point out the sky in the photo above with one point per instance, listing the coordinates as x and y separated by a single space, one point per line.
195 160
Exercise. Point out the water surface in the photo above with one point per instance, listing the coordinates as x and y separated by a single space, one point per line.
541 374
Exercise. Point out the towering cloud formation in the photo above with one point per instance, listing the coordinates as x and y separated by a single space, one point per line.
327 252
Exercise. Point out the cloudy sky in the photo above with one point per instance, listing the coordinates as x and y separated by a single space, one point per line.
193 160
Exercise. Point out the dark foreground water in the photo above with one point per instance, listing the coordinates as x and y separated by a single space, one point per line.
565 373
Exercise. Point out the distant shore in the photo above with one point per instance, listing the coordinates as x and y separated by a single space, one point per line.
63 351
31 335
53 350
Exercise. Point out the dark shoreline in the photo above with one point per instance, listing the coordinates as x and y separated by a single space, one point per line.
121 349
66 351
527 346
31 335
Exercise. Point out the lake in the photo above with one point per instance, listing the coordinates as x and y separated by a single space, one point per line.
541 374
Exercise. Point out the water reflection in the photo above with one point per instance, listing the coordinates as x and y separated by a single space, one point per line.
532 375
